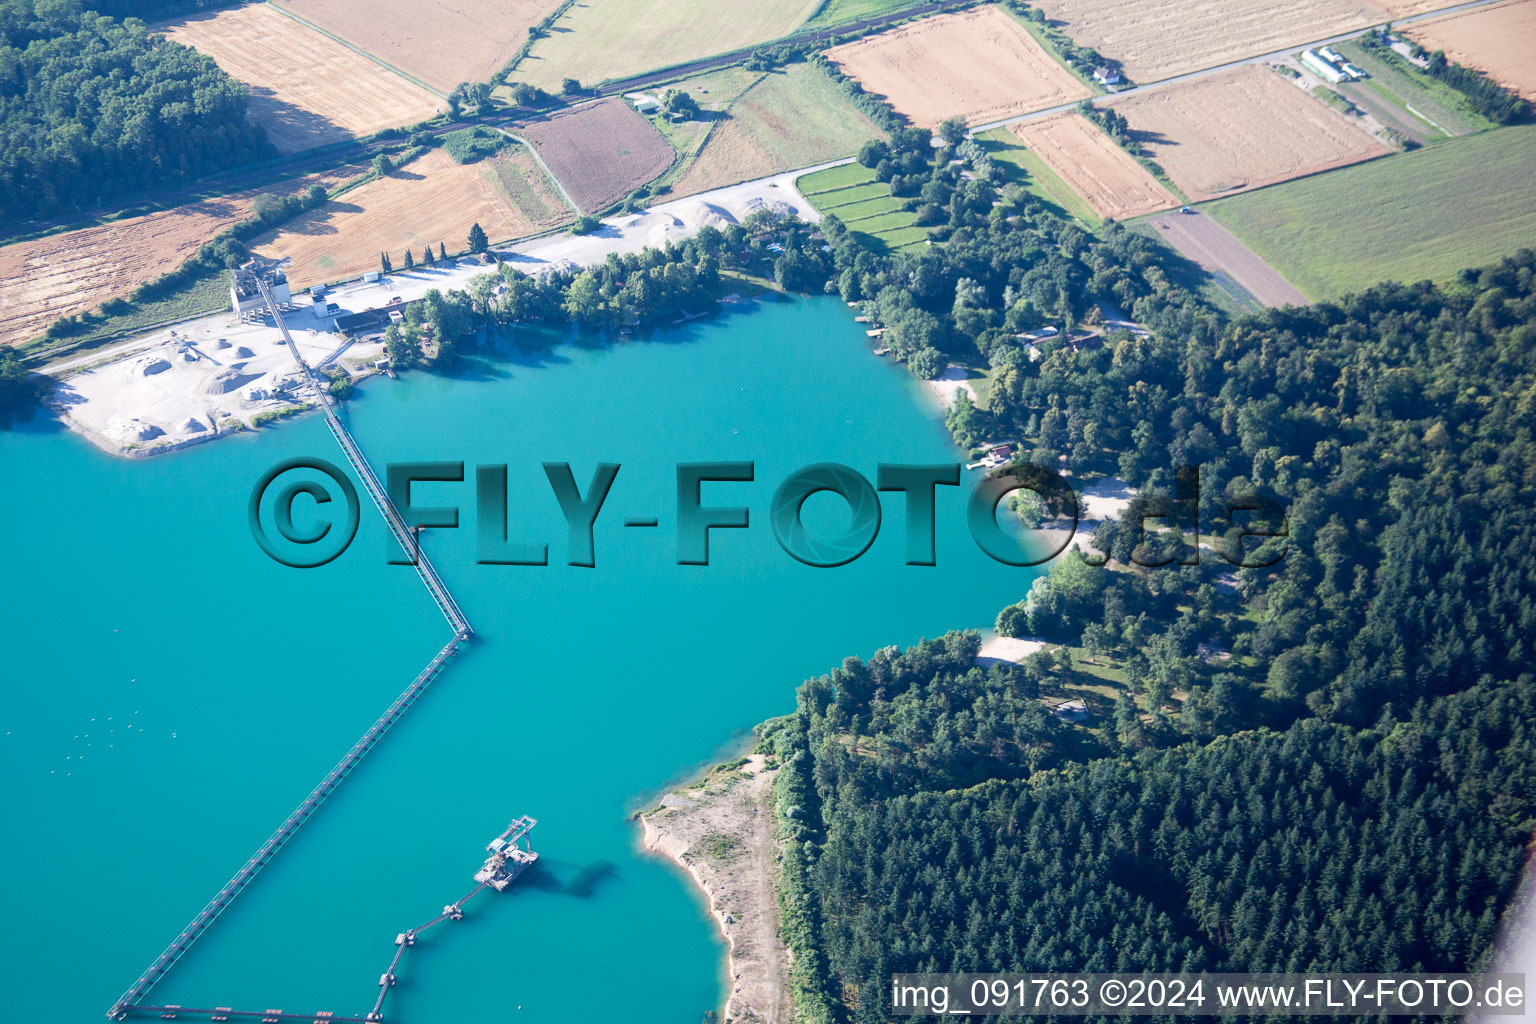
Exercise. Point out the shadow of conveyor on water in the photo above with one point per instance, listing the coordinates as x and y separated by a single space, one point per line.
568 879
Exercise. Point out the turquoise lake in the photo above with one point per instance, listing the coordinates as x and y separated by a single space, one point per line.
171 693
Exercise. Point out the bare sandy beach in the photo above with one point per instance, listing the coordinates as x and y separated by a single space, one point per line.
721 832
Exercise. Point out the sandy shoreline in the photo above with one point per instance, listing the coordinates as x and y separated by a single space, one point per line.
720 831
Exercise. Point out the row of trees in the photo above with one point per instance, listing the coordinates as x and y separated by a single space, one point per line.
427 259
1487 97
93 109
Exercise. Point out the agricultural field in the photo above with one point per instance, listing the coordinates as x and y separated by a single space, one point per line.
596 40
978 64
307 90
787 119
875 217
440 42
1094 166
1021 167
599 151
1423 214
431 201
1242 129
1498 40
69 273
1157 39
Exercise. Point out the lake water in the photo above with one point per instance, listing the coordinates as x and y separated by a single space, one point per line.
171 692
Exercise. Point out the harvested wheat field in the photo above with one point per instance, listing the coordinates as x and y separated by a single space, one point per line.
1498 40
64 274
788 119
1106 176
306 89
599 151
978 64
1157 39
430 201
440 42
1242 129
1407 8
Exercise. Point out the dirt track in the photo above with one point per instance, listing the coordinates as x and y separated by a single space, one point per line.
978 64
1207 243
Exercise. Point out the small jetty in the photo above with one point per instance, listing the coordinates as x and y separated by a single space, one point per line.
511 854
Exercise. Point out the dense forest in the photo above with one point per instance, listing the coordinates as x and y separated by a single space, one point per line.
935 820
93 109
1318 763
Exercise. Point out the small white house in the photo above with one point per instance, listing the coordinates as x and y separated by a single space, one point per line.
647 105
1107 76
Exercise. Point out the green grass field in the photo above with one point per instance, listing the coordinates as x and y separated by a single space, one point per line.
840 12
604 39
1401 84
853 194
1021 167
838 177
784 120
874 217
868 208
1424 214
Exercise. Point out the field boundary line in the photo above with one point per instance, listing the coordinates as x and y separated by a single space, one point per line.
1049 47
356 49
684 163
666 74
544 168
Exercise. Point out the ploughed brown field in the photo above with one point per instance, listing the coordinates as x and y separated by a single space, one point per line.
430 201
1498 40
1242 129
306 89
1095 167
978 64
1157 39
440 42
69 273
599 151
